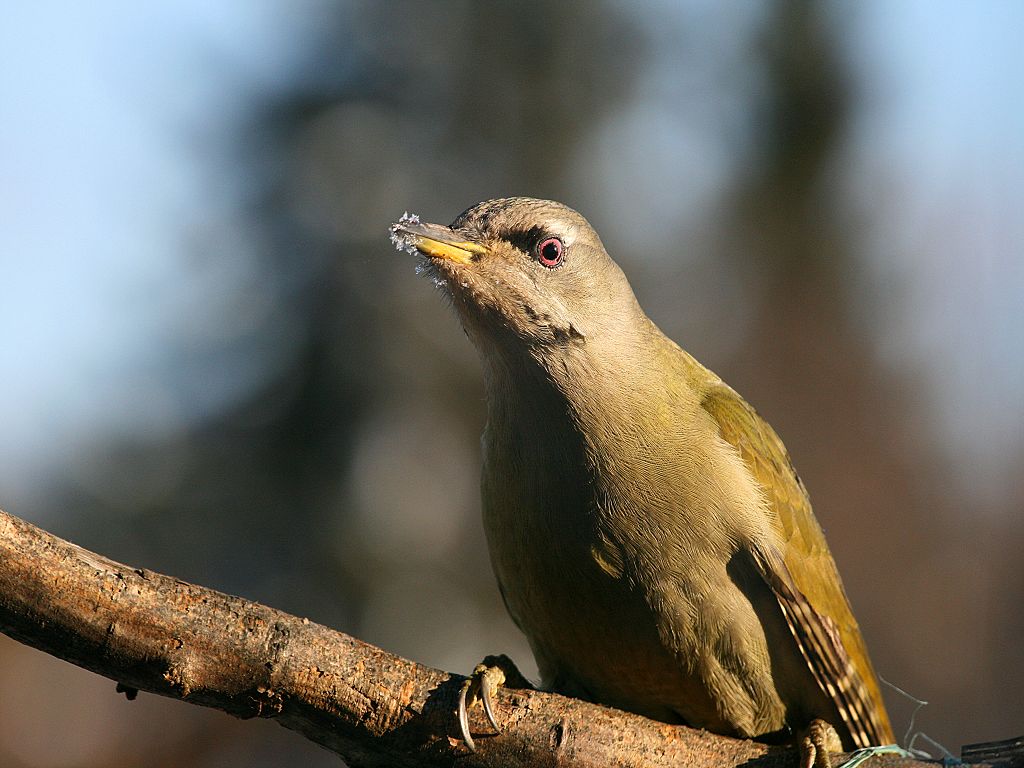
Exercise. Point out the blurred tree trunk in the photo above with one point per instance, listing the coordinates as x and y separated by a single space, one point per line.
803 365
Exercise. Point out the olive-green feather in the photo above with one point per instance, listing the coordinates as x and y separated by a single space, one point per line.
806 581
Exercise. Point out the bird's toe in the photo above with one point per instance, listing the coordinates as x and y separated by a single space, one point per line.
819 739
492 673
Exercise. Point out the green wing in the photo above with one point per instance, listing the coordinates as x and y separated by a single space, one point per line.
803 575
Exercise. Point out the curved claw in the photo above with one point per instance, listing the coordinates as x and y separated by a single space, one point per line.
482 685
464 715
485 695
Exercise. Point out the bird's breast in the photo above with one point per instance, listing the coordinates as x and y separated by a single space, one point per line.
568 586
607 541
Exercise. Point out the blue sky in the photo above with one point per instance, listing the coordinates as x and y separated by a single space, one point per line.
117 119
113 143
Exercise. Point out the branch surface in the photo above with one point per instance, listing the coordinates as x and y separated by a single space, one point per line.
155 633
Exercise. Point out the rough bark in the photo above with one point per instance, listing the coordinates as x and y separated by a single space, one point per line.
155 633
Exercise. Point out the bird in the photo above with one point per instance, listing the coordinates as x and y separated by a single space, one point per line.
647 528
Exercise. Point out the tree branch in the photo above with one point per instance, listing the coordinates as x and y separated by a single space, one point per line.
155 633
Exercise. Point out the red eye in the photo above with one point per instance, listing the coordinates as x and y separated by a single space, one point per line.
549 252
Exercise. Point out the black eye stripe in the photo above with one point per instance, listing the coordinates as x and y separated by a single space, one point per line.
526 240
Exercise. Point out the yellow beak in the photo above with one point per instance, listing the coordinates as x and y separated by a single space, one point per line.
436 241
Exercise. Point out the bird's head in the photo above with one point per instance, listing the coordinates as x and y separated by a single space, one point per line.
524 275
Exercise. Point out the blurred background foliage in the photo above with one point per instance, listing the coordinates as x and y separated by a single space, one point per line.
215 365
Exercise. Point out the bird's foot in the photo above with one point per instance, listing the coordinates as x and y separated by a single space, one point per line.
816 742
489 675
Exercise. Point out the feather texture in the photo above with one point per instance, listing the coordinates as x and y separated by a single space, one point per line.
803 576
